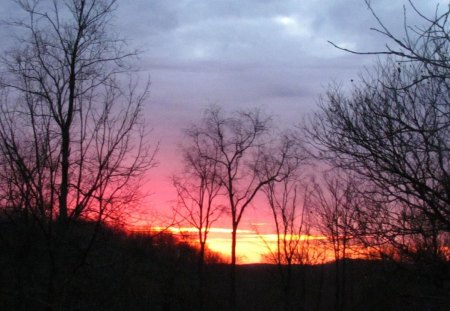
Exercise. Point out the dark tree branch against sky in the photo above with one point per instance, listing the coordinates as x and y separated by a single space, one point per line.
392 129
73 143
242 54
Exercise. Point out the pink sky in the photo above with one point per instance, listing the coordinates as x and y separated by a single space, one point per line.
272 55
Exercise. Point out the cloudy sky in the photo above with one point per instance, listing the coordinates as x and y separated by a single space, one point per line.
272 54
240 54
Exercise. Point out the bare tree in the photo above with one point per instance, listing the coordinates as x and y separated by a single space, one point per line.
393 130
292 226
72 136
289 216
335 200
240 139
198 189
426 44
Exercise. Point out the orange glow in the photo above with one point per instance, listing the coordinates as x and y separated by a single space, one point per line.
252 247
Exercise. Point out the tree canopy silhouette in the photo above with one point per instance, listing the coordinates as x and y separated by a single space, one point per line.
73 142
393 129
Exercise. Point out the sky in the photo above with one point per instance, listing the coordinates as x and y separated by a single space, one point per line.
238 54
271 54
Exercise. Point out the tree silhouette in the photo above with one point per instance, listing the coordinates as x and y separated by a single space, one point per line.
336 199
289 215
392 129
198 189
72 136
236 144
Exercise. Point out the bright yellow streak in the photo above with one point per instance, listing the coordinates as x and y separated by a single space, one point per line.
251 247
180 230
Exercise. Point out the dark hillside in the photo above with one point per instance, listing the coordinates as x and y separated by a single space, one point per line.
141 272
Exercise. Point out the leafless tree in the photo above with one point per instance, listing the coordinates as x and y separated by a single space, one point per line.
72 135
240 139
292 226
426 44
289 216
336 199
392 129
198 189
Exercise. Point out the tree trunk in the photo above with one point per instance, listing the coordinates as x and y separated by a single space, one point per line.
233 292
201 281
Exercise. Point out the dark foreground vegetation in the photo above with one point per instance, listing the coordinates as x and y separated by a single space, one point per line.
124 271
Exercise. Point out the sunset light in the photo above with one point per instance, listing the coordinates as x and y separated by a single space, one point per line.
252 247
224 155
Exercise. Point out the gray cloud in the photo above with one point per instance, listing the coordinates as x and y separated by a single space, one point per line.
239 53
245 53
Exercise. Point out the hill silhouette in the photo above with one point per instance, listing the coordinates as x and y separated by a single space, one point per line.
129 271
